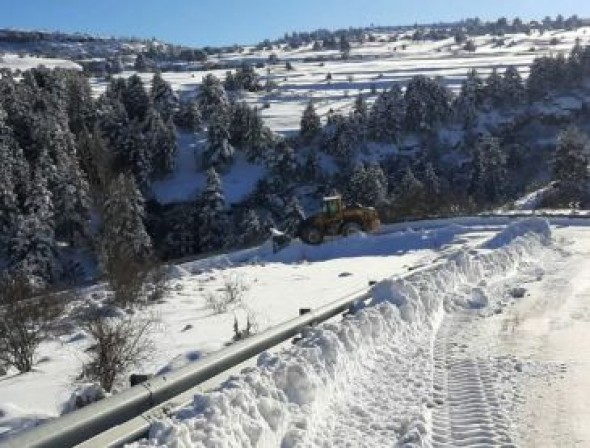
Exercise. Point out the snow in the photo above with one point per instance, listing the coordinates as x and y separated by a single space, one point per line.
538 226
278 285
365 381
188 180
532 200
375 377
15 62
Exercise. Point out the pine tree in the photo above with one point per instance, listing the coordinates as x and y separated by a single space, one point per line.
360 108
212 98
283 165
488 179
293 217
123 234
310 123
61 169
250 228
163 97
8 199
367 186
189 116
247 131
493 89
469 99
409 198
113 123
513 91
33 249
161 143
219 152
570 162
136 99
427 104
213 228
387 116
312 167
136 157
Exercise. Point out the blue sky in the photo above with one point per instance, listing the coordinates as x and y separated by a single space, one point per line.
217 22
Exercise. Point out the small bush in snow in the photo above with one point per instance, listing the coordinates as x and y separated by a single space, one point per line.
250 328
231 294
25 321
119 343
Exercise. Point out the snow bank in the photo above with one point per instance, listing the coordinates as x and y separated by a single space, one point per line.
360 245
370 373
537 226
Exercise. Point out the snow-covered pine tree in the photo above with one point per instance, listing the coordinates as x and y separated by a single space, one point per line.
164 99
33 249
310 123
570 162
136 157
161 141
219 152
488 179
123 232
8 199
387 116
360 108
214 226
468 100
367 186
258 138
116 89
427 104
250 228
493 89
113 123
347 142
247 131
312 168
293 217
212 98
66 181
513 90
409 198
189 116
136 99
284 169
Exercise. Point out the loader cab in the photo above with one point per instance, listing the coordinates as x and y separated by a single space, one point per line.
332 206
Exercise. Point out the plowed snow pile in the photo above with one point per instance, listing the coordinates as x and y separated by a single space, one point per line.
366 381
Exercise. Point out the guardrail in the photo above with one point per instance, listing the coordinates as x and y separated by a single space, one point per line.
126 416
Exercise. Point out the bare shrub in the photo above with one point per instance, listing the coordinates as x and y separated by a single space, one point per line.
231 294
158 283
119 344
249 329
25 321
126 278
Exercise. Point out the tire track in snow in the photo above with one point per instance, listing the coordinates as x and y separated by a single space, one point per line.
468 412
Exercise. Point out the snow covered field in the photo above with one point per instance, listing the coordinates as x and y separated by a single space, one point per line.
16 62
472 336
377 64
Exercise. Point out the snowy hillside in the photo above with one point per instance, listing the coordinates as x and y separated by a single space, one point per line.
371 65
